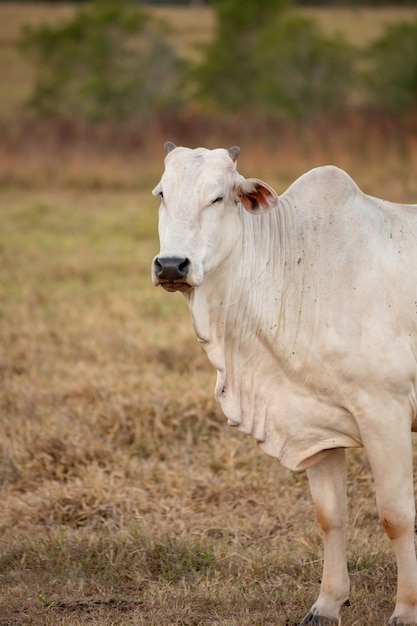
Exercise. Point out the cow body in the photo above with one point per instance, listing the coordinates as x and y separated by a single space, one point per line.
306 305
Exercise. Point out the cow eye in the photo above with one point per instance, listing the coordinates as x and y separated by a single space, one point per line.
219 199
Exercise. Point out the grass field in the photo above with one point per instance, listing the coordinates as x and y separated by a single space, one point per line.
126 500
125 497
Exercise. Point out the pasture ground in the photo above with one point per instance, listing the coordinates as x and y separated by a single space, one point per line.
126 500
125 497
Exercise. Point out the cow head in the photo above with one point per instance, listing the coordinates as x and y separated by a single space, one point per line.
199 222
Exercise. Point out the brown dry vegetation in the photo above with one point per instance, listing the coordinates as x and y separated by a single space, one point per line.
126 500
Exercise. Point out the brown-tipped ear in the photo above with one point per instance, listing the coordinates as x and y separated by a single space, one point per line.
234 152
256 196
169 146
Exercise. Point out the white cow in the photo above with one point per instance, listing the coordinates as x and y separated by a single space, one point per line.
306 304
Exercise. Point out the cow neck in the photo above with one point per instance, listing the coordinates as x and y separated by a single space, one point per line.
238 301
209 305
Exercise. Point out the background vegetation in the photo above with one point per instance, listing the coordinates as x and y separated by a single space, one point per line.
125 497
114 61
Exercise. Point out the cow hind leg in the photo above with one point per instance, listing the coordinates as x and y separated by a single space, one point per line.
392 469
327 482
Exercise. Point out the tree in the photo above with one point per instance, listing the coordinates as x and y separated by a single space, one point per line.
111 60
266 58
299 72
226 77
392 73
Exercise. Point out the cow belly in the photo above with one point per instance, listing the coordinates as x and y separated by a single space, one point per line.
298 454
298 430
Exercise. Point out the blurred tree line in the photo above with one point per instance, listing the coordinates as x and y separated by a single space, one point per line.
311 3
114 61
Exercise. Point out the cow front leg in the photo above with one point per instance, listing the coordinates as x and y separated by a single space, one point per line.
391 461
327 482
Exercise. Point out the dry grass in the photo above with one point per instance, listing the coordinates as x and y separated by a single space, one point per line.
359 25
125 497
378 152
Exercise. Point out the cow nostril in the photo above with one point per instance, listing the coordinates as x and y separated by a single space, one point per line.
183 267
171 268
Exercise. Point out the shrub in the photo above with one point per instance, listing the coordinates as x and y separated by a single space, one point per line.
226 77
111 60
300 73
392 74
279 64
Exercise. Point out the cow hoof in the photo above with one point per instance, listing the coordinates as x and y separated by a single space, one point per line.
317 620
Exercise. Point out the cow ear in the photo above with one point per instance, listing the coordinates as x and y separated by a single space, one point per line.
234 152
256 196
169 146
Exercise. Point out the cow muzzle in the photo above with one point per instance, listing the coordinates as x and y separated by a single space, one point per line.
171 273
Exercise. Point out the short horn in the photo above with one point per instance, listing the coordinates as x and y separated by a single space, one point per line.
169 146
234 152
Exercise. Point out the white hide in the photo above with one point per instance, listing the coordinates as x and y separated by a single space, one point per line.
308 312
306 305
